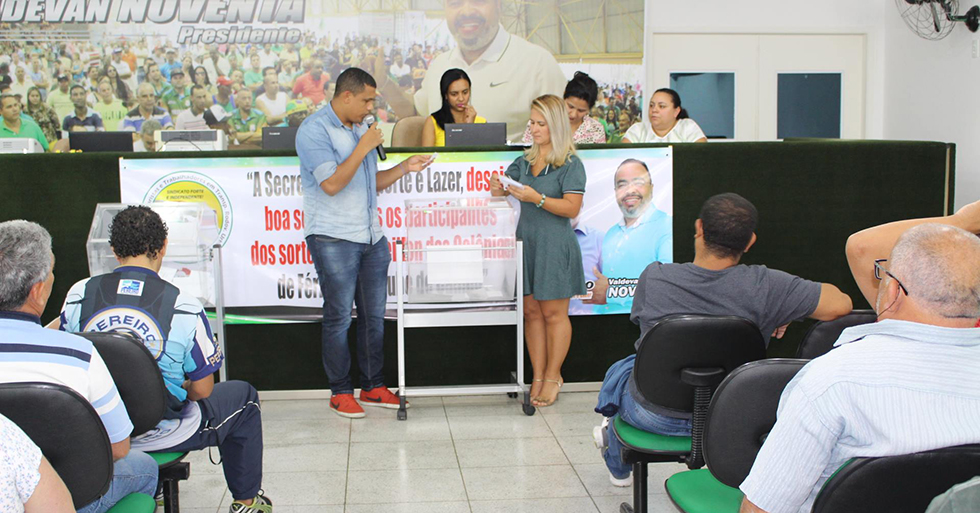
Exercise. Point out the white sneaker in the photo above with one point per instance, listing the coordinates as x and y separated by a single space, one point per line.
622 483
600 434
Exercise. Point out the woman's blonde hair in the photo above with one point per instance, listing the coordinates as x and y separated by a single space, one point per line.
556 116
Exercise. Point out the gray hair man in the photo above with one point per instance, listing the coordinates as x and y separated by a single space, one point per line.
147 141
904 384
44 355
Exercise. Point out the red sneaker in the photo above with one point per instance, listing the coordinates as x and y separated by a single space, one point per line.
382 397
345 406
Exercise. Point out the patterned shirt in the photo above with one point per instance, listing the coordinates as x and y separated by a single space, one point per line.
889 388
19 462
589 132
177 101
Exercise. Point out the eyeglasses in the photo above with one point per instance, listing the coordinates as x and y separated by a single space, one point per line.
879 269
636 182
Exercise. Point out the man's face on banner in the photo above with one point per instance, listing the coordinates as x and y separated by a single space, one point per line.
473 22
634 190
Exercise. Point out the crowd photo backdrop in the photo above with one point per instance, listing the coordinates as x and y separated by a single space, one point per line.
513 51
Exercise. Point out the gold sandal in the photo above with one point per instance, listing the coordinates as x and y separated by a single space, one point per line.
537 402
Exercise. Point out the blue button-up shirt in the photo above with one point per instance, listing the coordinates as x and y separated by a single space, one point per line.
323 142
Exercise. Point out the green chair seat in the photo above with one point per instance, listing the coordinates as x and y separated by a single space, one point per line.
165 458
643 441
135 503
697 491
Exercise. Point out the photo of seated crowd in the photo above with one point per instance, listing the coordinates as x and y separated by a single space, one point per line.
66 86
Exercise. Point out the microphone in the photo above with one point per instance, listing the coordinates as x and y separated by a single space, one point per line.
369 120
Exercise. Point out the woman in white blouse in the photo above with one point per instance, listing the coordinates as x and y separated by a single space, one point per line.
668 122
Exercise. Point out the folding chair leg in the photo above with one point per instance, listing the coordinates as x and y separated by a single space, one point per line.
171 497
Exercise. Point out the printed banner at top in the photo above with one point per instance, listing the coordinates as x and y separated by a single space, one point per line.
625 222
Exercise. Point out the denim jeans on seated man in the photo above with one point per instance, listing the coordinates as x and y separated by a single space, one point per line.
136 473
637 416
352 274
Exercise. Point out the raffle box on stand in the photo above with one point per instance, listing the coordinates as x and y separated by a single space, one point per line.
460 250
460 265
192 229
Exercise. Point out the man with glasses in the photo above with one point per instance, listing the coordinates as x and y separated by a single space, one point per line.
907 383
715 283
645 234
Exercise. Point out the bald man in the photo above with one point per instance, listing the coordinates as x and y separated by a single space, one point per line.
904 384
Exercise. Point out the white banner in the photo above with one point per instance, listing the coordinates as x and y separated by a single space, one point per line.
260 215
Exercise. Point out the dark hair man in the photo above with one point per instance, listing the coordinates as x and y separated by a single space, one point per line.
714 284
174 327
28 352
904 384
83 117
12 124
341 180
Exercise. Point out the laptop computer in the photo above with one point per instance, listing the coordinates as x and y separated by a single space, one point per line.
101 141
476 134
279 137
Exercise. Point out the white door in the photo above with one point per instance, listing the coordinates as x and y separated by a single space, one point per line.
761 62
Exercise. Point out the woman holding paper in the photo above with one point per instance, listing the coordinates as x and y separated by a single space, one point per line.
456 108
550 182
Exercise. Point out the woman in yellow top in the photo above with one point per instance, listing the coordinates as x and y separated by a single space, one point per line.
456 108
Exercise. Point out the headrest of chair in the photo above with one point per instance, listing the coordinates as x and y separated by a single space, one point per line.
897 483
69 432
742 412
676 342
137 376
820 338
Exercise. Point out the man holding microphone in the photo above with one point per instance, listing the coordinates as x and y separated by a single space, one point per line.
338 148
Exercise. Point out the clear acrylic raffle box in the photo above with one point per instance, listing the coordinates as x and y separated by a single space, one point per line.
460 250
192 231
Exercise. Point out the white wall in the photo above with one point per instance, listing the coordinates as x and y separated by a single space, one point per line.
915 89
933 93
784 17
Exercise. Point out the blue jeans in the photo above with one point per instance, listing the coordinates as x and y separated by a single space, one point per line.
352 273
136 473
637 416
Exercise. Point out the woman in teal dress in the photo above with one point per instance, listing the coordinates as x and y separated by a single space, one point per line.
554 182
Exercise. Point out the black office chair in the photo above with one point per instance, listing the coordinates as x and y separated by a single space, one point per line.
742 412
897 484
820 338
141 387
71 436
678 365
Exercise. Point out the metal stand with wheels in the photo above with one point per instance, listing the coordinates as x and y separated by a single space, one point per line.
455 315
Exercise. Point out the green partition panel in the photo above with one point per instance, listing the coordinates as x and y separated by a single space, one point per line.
810 194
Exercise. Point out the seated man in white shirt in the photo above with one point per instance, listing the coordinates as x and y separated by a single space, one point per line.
905 384
272 103
193 118
27 478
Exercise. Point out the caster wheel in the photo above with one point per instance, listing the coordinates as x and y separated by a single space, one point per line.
512 395
402 415
625 508
528 409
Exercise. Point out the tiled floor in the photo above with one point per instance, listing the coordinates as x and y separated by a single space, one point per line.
476 454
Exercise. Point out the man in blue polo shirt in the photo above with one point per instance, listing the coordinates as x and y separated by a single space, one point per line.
644 236
339 171
28 352
173 326
83 117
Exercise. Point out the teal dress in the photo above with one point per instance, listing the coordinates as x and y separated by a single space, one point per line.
552 257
